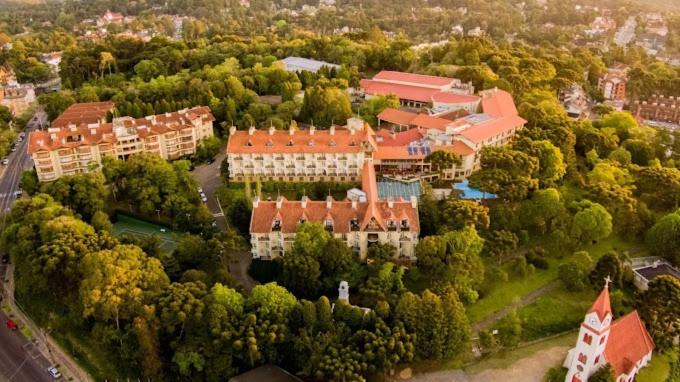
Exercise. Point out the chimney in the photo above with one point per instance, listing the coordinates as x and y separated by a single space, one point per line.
329 202
256 201
390 202
354 203
271 130
414 201
303 201
351 130
232 130
291 130
311 130
53 136
279 201
331 131
251 130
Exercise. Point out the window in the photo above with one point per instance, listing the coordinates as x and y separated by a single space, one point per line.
603 339
597 359
582 358
587 338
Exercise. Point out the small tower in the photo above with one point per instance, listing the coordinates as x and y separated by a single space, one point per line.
343 292
588 354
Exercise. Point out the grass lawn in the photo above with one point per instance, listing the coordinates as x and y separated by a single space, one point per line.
657 370
504 359
502 294
557 311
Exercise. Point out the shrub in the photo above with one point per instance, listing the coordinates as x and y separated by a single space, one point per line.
573 275
265 271
556 374
536 257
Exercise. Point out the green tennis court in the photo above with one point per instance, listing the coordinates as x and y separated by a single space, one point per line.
139 228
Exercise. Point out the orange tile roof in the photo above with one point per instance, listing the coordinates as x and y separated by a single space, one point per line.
396 152
498 103
396 116
302 141
421 79
628 343
485 130
430 122
408 92
448 97
83 135
602 306
388 138
79 113
457 147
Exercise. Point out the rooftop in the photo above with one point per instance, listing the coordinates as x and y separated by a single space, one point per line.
79 113
413 78
628 343
308 64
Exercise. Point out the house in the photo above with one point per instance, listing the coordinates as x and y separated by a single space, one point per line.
84 113
17 97
658 108
574 100
358 222
646 269
623 343
53 59
73 146
417 90
299 64
110 18
613 83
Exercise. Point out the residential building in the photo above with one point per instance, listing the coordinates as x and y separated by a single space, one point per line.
110 18
613 83
658 108
299 64
84 113
419 90
358 222
53 59
601 25
335 154
74 147
574 100
17 97
646 269
624 343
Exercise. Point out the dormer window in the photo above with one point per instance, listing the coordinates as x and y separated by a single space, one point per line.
302 221
352 143
391 224
331 143
404 224
249 143
329 224
354 224
276 225
290 143
269 143
311 143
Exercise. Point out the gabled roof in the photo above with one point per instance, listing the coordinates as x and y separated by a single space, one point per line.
413 78
498 103
602 306
407 92
628 343
429 122
453 98
79 113
341 140
402 138
396 116
485 130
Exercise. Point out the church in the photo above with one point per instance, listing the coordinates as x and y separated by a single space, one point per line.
623 343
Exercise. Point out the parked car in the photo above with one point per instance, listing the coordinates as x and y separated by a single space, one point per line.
204 198
54 372
11 325
5 161
18 193
13 149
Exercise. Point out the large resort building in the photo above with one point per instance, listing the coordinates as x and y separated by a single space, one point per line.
77 141
360 222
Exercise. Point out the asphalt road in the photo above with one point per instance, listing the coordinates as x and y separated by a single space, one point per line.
20 359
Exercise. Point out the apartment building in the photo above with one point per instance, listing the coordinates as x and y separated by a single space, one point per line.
79 148
613 83
335 154
359 223
658 108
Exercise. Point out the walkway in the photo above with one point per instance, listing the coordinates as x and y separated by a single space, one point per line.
525 300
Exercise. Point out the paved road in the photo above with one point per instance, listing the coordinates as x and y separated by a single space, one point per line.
20 359
18 162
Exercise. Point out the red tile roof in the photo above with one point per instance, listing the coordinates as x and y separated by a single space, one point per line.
398 139
498 103
628 343
396 116
407 92
429 122
79 113
485 130
280 141
602 306
454 98
420 79
83 135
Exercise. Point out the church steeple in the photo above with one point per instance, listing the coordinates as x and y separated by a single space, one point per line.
602 306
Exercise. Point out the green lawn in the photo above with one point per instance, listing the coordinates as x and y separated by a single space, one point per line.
502 294
505 358
657 370
555 312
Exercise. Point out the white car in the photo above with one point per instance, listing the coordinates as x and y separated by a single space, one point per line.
5 161
18 193
204 198
13 149
54 372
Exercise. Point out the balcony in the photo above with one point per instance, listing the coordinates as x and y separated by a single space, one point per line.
354 225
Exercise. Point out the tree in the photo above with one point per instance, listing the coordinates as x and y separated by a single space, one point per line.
370 108
380 253
325 106
442 160
118 282
574 273
457 214
505 172
84 193
544 212
603 374
640 151
591 222
55 103
500 244
181 303
301 274
659 308
663 239
510 329
551 164
609 265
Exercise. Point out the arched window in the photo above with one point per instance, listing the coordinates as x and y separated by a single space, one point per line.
587 338
582 358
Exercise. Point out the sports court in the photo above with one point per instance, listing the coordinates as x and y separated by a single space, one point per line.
139 228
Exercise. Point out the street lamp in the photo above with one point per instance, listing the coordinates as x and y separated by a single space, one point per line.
158 212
